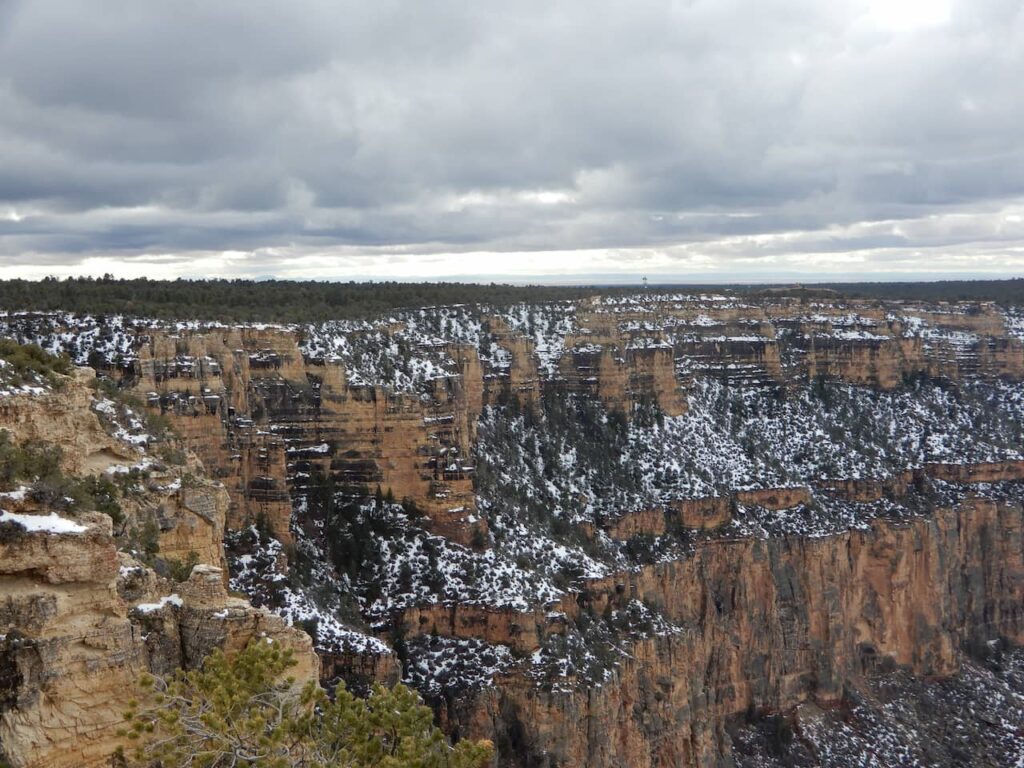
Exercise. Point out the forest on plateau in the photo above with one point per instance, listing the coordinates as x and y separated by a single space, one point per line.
288 301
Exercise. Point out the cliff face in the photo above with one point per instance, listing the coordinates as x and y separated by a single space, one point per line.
69 653
765 626
353 434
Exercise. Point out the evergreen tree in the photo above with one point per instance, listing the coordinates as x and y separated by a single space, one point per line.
242 711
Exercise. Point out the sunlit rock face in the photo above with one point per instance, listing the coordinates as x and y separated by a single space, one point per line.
633 531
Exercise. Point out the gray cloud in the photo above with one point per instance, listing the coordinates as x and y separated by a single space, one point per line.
318 138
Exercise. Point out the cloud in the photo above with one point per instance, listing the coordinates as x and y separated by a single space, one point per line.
327 138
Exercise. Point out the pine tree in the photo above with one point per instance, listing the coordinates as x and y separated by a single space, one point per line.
244 711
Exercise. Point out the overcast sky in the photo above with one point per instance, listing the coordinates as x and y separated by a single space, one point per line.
557 140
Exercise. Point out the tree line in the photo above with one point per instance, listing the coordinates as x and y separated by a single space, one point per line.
294 301
280 301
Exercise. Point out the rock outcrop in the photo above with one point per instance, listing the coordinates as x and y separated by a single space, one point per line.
64 417
74 648
81 621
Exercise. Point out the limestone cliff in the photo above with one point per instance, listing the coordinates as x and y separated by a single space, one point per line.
768 625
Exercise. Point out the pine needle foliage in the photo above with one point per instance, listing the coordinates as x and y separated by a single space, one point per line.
243 712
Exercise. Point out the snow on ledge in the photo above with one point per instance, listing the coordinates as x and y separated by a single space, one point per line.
17 495
51 523
151 607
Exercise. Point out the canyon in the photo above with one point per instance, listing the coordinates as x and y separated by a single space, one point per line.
622 531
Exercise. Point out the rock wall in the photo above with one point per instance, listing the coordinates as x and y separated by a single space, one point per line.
191 521
768 625
257 412
520 379
740 358
878 363
360 671
64 417
623 374
704 513
72 648
523 631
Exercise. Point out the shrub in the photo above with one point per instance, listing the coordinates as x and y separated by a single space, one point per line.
172 455
101 493
30 461
149 538
40 462
11 532
27 362
180 570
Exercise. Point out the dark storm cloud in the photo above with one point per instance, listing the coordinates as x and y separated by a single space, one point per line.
733 129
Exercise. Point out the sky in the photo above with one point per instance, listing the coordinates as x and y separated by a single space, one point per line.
555 141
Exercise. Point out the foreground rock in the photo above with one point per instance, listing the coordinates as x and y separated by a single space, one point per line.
73 647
